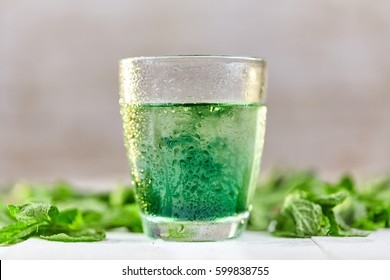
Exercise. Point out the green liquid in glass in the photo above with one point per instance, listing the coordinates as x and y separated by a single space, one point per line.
194 162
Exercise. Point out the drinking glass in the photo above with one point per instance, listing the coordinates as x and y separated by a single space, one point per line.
194 132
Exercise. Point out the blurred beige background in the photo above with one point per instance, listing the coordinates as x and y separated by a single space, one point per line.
329 78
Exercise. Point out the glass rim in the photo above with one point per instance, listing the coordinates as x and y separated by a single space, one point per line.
195 56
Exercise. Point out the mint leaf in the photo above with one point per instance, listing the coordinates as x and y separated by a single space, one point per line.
76 236
33 212
306 217
5 217
127 216
331 200
327 203
71 218
19 231
121 195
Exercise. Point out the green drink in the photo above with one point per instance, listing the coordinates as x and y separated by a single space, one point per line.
194 130
194 162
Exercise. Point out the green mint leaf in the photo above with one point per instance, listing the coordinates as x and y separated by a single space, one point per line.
33 212
71 218
5 218
61 191
76 236
305 215
378 216
331 200
19 232
334 228
347 183
127 216
121 195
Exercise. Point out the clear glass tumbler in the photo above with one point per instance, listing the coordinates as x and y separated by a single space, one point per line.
194 132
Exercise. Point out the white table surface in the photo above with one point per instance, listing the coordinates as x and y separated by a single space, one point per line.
252 245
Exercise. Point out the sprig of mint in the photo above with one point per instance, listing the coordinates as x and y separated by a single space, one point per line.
300 204
61 212
46 221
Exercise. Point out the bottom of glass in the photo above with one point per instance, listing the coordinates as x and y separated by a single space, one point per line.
191 231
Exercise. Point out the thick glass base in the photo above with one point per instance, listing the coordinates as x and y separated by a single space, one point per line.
190 231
